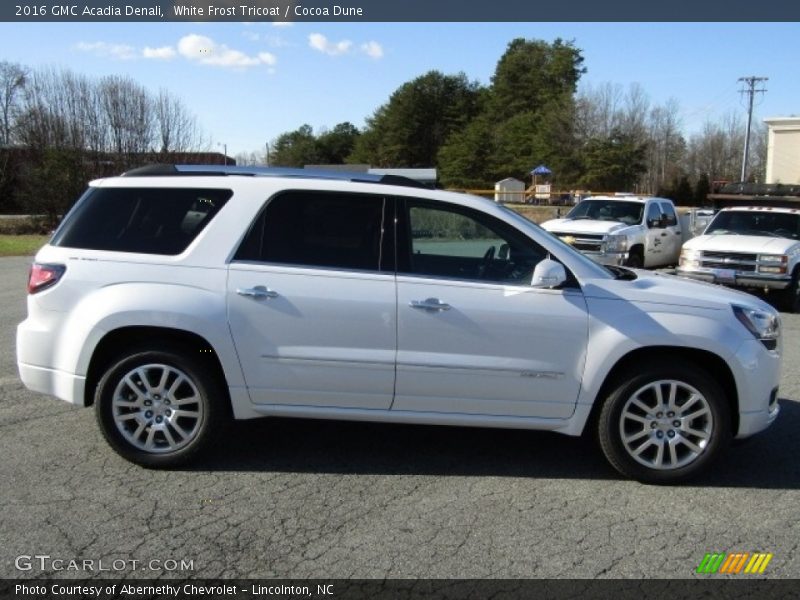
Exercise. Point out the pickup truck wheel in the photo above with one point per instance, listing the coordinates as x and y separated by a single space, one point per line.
791 295
158 408
664 425
635 259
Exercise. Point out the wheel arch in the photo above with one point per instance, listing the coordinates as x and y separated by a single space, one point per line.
714 366
111 345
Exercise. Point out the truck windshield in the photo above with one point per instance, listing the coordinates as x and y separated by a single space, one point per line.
623 211
774 224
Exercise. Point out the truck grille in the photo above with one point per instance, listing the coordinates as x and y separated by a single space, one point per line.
730 260
585 242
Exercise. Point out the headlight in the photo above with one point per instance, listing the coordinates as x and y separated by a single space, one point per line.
765 326
689 258
616 243
773 263
772 258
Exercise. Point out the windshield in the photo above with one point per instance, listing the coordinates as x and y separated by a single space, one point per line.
739 222
623 211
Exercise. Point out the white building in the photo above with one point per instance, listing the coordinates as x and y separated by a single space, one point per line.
783 150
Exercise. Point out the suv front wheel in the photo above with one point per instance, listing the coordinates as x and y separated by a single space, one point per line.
158 408
664 425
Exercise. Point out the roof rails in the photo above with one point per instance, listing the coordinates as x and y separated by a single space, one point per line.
220 170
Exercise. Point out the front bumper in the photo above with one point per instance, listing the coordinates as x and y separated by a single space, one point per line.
757 375
736 279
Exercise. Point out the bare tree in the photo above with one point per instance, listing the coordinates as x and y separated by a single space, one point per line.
128 108
716 150
12 81
177 128
41 122
599 110
665 146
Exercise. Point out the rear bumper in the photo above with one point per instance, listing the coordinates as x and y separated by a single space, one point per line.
66 386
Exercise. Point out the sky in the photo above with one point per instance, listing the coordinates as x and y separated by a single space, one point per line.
248 83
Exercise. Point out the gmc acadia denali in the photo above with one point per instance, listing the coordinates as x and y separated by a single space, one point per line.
173 298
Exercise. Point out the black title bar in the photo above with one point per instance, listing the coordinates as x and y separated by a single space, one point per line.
399 10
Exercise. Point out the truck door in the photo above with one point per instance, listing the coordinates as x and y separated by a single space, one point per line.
673 241
654 236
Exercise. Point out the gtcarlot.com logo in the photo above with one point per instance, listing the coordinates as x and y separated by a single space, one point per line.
734 563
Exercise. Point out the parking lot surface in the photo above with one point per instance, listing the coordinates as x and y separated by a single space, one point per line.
298 499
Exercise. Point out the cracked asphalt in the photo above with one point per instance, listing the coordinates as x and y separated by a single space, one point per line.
314 499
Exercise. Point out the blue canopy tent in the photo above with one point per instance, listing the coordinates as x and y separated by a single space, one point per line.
540 170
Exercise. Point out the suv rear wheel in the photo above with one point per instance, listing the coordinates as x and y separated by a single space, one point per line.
664 425
158 408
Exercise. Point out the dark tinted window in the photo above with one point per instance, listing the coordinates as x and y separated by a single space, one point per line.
653 213
459 243
147 220
343 231
672 218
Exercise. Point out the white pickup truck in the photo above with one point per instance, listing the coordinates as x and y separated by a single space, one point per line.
624 229
749 247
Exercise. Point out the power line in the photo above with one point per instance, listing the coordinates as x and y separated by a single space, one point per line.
751 91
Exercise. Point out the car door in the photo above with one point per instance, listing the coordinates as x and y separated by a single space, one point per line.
473 336
311 302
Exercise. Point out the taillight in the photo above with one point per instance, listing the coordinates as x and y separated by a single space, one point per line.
43 276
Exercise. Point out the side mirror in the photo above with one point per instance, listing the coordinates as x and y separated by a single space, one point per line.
548 274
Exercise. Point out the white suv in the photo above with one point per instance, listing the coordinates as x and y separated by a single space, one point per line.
173 298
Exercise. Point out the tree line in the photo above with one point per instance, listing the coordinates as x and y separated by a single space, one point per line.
603 138
59 129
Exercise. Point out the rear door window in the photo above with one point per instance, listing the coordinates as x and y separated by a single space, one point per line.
144 220
322 229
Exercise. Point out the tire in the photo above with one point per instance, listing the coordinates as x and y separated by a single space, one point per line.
642 441
136 400
635 259
790 300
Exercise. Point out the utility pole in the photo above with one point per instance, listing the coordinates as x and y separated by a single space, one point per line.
750 90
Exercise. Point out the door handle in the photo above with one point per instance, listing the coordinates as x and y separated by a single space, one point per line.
429 304
257 292
664 234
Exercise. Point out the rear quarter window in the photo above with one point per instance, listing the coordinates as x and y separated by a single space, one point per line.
144 220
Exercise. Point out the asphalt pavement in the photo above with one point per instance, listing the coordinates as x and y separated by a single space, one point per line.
315 499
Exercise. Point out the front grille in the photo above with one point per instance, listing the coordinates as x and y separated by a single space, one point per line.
736 256
737 261
585 242
587 246
582 236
